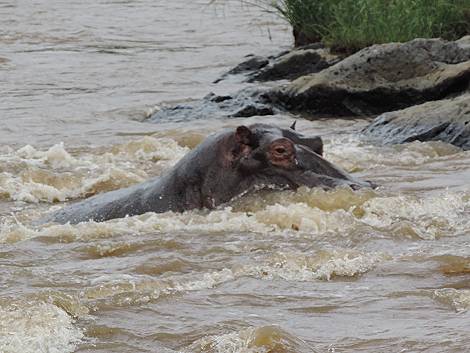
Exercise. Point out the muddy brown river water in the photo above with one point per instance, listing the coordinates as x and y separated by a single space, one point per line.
308 271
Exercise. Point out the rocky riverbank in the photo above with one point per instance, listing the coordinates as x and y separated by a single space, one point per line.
418 90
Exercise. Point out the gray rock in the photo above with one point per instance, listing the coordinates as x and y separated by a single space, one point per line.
294 64
247 102
251 64
287 65
445 120
382 78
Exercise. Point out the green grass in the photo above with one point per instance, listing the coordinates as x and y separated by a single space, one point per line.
308 17
349 25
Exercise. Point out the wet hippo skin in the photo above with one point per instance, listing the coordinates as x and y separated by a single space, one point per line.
224 165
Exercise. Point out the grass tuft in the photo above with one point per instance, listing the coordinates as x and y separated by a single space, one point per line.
349 25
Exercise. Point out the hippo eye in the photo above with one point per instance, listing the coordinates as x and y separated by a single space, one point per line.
280 150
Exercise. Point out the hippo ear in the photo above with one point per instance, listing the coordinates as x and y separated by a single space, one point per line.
243 135
293 125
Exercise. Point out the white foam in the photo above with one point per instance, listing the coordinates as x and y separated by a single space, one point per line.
31 192
35 328
275 218
233 342
55 157
353 154
304 218
317 266
262 339
32 176
125 289
128 289
459 299
208 280
58 157
27 152
154 149
429 217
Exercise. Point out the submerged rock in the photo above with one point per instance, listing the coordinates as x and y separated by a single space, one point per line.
382 78
444 120
245 103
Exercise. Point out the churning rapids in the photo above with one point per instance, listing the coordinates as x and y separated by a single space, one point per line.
385 270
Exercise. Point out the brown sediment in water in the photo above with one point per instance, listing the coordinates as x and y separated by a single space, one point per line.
456 267
275 271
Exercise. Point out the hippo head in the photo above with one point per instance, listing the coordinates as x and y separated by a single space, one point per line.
262 155
286 158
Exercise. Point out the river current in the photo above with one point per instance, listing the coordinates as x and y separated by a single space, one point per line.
385 270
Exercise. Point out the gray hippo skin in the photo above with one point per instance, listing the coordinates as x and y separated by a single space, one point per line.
224 165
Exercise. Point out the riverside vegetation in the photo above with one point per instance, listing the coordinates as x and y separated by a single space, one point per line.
350 25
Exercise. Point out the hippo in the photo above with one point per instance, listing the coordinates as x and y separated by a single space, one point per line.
225 165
